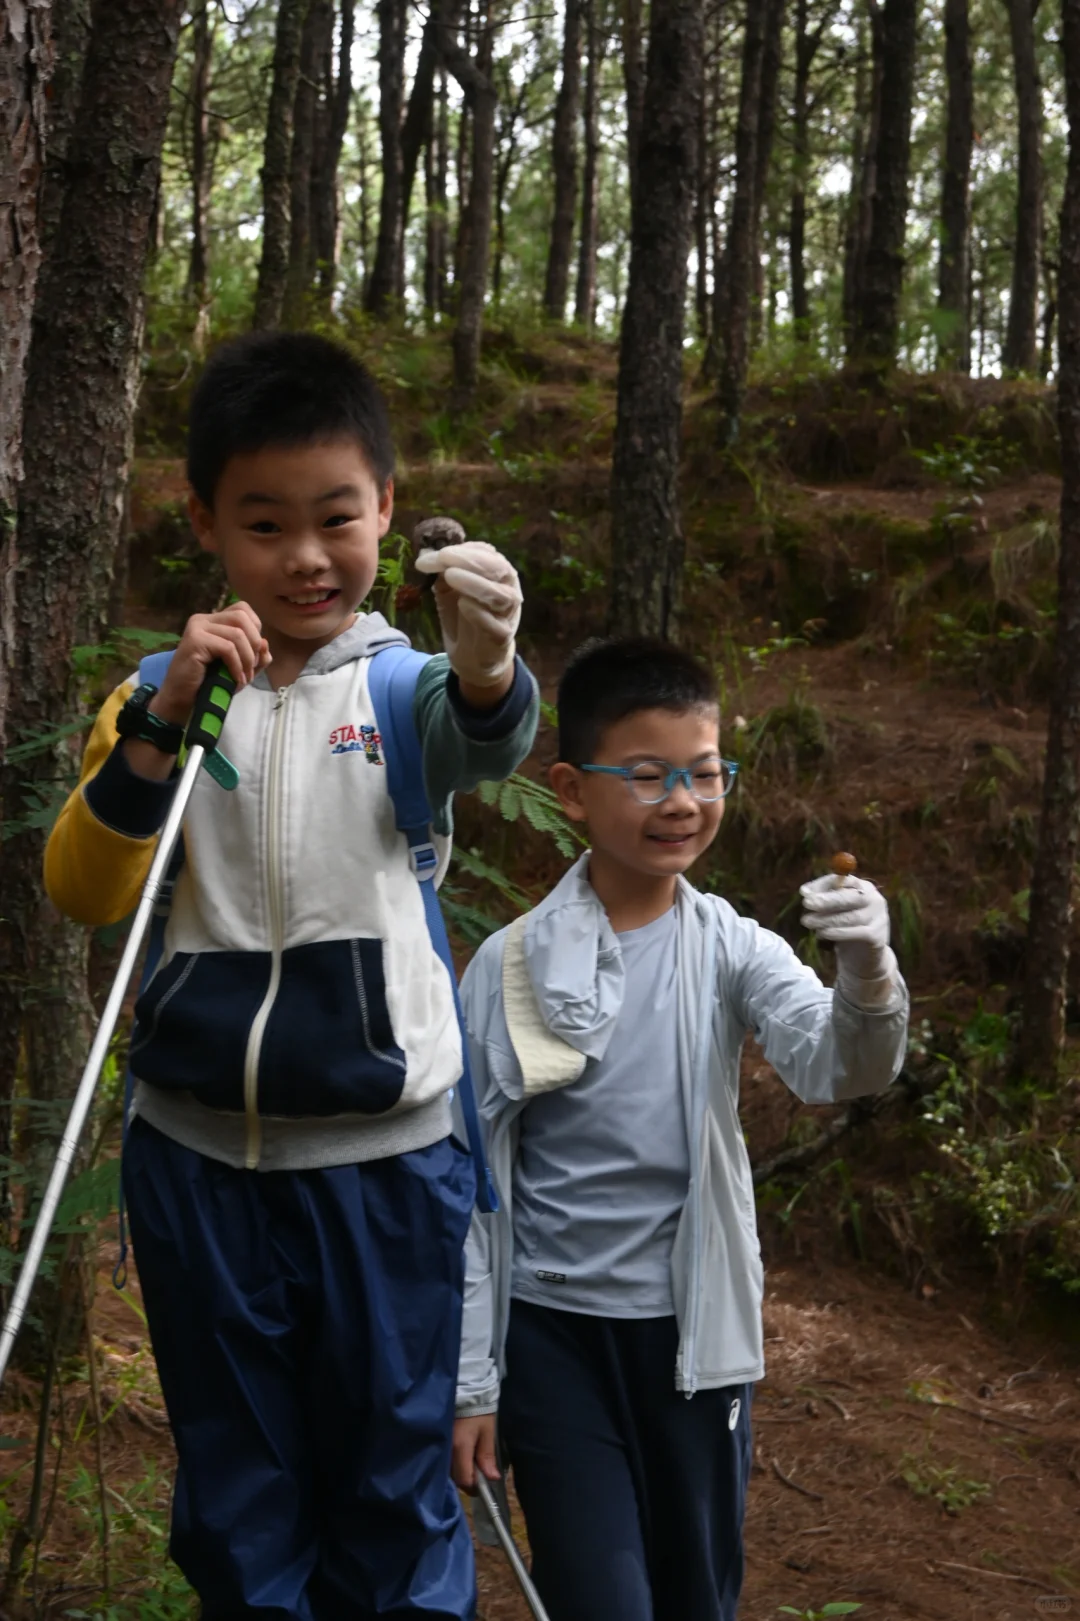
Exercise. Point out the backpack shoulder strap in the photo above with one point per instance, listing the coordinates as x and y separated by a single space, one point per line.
392 676
153 667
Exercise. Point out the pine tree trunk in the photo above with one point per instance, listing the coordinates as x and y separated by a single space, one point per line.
318 28
25 65
1052 883
634 79
476 82
506 146
201 174
955 344
417 131
733 315
647 539
1050 309
324 205
564 163
435 174
704 205
383 281
800 171
1022 333
771 63
277 154
70 40
878 315
585 291
867 123
78 414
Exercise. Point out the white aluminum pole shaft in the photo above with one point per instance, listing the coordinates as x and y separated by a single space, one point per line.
84 1097
509 1548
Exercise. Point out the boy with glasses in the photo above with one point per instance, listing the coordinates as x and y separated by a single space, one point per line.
622 1274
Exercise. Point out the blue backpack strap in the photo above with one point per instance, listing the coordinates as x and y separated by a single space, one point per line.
392 676
152 669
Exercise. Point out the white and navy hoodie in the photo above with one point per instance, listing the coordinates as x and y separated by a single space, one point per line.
300 1015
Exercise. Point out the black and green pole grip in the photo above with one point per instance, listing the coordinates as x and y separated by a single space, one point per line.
207 721
211 706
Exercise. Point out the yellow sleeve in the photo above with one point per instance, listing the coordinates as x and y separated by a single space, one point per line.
93 873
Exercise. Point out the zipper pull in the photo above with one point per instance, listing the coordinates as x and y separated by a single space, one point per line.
279 700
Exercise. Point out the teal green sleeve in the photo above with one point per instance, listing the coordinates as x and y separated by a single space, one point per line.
464 747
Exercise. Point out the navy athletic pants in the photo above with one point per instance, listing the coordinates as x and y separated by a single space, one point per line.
307 1329
633 1495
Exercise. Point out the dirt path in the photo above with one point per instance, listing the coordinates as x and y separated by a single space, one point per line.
871 1397
880 1414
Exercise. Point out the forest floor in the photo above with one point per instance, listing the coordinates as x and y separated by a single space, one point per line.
879 628
908 1456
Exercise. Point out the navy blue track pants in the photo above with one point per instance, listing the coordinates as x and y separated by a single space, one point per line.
633 1495
307 1329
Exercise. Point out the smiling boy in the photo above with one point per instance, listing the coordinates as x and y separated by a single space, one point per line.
622 1273
297 1202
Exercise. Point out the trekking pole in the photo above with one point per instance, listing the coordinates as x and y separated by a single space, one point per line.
509 1548
200 741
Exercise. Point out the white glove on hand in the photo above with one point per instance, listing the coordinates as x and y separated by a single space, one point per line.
478 597
855 917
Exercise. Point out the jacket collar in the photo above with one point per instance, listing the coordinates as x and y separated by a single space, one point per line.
574 962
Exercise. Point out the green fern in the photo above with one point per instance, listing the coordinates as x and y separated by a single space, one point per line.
519 797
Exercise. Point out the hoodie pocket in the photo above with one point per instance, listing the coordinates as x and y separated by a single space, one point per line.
328 1046
192 1023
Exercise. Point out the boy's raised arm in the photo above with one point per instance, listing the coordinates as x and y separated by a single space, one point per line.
823 1045
103 843
464 746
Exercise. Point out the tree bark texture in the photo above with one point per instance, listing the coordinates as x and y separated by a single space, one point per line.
70 40
315 41
393 30
78 414
1053 882
878 316
201 170
771 63
324 188
564 163
25 64
735 286
954 264
647 539
277 156
585 291
1021 336
634 79
476 81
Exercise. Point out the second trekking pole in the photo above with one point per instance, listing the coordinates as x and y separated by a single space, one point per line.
202 737
509 1548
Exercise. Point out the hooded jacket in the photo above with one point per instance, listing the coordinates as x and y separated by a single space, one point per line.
300 1014
541 999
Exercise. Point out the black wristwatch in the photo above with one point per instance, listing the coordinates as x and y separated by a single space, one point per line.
136 720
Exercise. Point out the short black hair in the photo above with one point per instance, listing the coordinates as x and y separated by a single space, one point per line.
283 388
606 681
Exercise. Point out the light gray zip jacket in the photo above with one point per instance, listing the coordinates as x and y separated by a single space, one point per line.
541 999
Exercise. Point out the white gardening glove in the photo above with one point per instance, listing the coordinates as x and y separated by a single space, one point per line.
855 917
478 596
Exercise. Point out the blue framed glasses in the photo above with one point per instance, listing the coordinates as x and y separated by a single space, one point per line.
651 781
